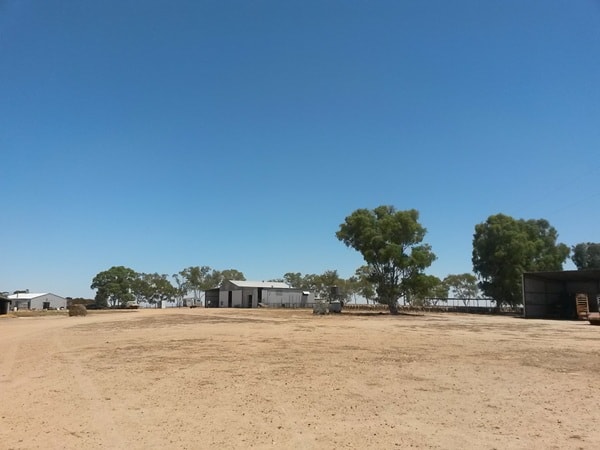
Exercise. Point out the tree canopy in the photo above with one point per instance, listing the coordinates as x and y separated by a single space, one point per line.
425 289
463 286
586 255
322 284
504 248
390 242
114 286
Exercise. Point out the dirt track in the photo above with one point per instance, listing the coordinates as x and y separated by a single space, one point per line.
196 378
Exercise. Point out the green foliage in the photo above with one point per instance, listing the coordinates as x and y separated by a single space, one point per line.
425 290
390 241
586 255
153 288
231 275
504 248
463 286
295 280
195 279
362 285
114 286
321 284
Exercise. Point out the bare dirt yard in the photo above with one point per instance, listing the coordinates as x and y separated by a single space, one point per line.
272 379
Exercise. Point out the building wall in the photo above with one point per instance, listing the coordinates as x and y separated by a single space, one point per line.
55 301
236 299
291 298
4 306
211 298
249 297
540 297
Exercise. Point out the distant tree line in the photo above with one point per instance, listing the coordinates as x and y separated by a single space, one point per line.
120 286
396 257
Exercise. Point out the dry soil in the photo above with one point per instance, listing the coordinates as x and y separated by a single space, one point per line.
272 379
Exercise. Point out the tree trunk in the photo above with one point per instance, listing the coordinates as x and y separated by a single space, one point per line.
393 305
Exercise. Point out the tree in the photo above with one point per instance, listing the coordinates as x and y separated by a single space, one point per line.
463 286
390 241
232 275
330 286
322 285
423 290
161 289
141 290
114 286
181 288
295 280
196 279
504 248
586 255
364 286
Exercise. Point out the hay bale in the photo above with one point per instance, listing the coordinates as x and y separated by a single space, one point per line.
77 310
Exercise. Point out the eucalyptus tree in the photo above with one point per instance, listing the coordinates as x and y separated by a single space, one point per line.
391 243
463 286
114 286
195 279
586 255
504 248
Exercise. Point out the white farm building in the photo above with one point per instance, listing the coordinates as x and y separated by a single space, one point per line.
252 294
27 300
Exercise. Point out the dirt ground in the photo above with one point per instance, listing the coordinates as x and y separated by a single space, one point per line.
219 378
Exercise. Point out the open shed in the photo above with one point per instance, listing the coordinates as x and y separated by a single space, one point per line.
4 305
551 295
251 294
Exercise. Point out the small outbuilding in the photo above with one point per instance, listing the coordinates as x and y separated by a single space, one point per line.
4 305
551 295
27 300
253 294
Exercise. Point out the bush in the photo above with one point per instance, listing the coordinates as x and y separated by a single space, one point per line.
77 310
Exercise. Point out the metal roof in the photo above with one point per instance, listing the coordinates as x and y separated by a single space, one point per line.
260 284
566 275
26 296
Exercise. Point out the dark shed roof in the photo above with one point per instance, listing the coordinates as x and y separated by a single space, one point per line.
566 275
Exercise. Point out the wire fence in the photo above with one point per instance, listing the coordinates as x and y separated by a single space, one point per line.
470 306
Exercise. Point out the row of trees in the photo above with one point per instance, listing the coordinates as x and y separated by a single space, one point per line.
119 285
360 286
391 243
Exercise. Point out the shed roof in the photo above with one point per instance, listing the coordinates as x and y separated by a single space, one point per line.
260 284
566 275
26 295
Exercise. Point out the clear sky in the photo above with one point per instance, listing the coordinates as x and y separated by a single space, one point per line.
239 134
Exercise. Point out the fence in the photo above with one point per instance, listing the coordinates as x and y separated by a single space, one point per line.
470 306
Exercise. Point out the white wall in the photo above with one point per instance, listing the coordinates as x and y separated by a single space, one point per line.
270 297
236 297
54 300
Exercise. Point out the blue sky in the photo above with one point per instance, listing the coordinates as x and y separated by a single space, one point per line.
239 134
